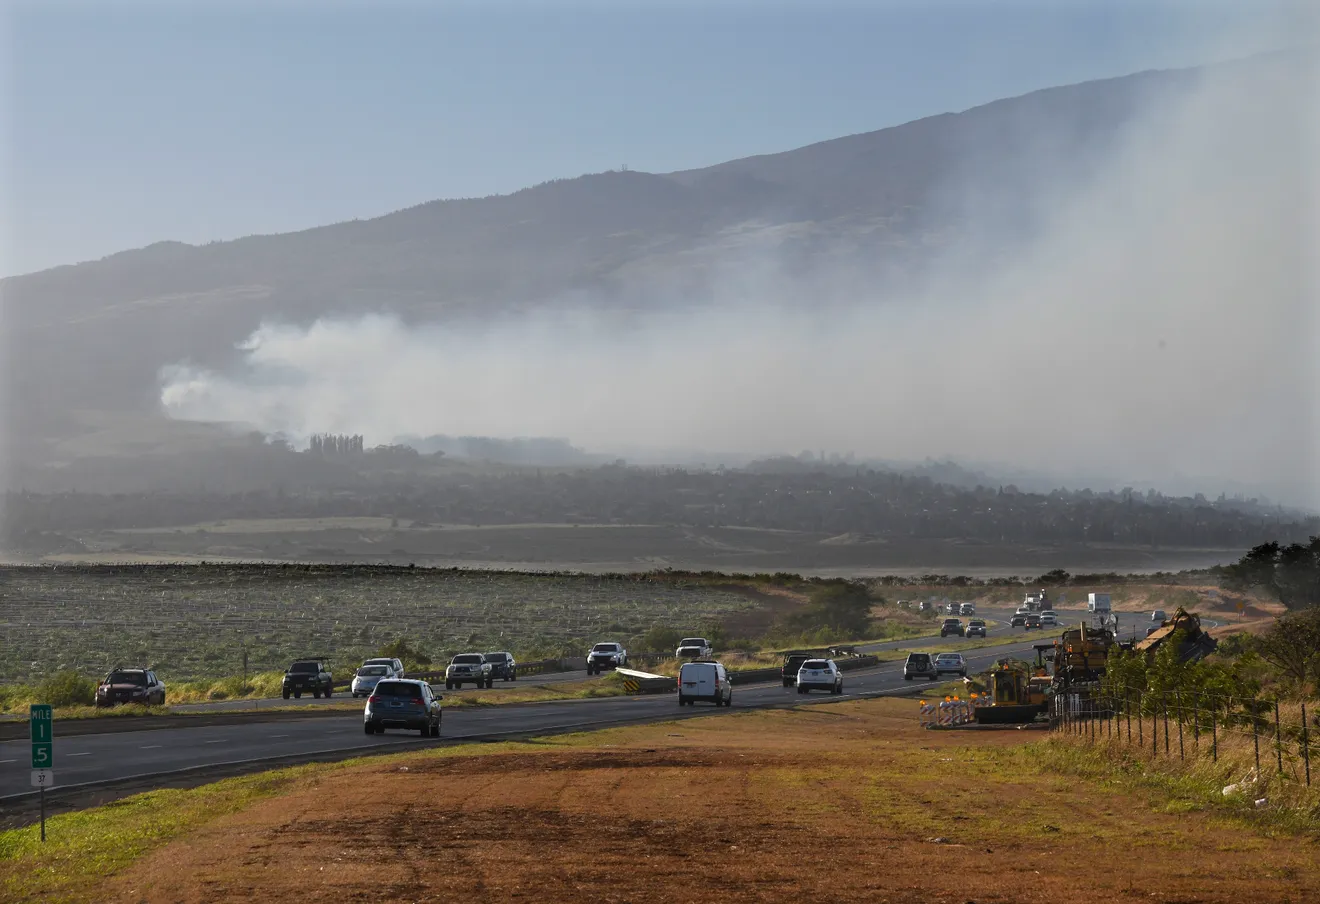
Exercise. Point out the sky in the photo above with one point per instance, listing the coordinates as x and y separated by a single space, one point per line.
126 124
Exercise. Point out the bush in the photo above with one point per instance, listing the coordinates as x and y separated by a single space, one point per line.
67 689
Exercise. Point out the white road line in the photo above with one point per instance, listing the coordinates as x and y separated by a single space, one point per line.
220 741
4 762
84 753
151 746
279 736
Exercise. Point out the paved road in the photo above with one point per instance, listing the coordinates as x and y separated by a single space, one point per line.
98 758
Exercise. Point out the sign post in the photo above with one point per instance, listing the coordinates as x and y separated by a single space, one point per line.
1241 604
41 725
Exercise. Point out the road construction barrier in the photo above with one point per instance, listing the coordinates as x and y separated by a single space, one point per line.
635 682
926 717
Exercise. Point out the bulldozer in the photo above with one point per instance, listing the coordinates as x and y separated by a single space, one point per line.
1196 644
1018 693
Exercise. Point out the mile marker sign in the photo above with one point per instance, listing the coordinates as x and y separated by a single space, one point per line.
41 722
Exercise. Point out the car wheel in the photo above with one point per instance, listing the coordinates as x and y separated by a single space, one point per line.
907 677
316 693
681 701
435 729
368 728
285 695
328 692
802 690
729 702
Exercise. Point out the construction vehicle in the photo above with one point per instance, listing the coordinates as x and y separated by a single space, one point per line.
1017 692
1196 644
1081 655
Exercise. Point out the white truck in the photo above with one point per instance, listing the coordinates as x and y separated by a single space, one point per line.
693 648
1098 602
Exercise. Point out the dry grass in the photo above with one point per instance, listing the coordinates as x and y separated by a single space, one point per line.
826 800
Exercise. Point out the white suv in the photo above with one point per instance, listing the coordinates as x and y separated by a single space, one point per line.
820 675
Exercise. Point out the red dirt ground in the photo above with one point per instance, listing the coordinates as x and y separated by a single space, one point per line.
848 802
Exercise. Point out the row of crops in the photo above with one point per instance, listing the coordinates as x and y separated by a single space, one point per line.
191 622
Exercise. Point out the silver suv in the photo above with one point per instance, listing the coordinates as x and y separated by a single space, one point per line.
402 703
468 668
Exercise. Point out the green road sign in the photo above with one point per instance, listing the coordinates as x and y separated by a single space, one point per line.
41 723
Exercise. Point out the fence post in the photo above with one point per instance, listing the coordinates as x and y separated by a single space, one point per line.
1278 738
1141 722
1127 711
1214 731
1196 722
1164 705
1306 747
1255 736
1182 755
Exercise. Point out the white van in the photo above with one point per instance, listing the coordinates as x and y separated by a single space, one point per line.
704 681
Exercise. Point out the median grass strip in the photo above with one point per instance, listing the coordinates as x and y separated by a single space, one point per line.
776 799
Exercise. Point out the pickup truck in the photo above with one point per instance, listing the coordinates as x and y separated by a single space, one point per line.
468 667
307 675
606 656
693 648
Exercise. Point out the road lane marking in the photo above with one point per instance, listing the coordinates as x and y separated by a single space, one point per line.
220 741
151 746
3 762
279 736
84 753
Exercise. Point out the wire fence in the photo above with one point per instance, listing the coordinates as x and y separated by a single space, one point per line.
1280 736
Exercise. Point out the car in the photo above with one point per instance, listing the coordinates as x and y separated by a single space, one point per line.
967 609
924 606
951 609
1158 616
704 680
468 668
950 663
130 686
366 678
793 660
395 665
402 703
1023 610
904 604
608 655
1017 620
307 675
919 665
1049 620
952 626
820 674
693 648
975 628
1033 621
502 666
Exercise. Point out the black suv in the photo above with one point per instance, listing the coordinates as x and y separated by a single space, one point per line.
130 686
502 665
792 663
952 626
307 675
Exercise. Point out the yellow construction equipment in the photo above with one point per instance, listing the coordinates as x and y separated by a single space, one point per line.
1195 644
1016 694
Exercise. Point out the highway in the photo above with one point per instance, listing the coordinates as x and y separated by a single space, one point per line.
95 758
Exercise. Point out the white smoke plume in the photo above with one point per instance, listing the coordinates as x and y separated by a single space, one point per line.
1162 325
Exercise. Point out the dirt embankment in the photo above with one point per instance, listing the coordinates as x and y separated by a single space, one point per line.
846 801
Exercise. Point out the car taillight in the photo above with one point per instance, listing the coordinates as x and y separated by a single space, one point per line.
373 699
418 700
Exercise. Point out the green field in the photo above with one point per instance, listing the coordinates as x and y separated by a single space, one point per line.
194 622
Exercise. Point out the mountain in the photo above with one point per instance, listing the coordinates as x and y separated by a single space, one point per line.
91 338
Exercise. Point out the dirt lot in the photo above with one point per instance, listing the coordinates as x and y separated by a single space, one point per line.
842 802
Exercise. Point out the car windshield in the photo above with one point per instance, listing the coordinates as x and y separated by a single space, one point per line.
497 657
815 664
951 621
372 671
692 642
468 659
976 623
948 657
389 662
398 689
138 678
305 667
605 648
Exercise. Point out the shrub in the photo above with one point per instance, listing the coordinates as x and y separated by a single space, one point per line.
67 688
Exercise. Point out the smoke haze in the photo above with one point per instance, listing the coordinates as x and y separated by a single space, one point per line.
1160 324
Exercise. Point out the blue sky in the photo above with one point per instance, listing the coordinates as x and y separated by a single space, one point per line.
199 121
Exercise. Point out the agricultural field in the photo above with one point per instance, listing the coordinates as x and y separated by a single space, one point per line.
194 622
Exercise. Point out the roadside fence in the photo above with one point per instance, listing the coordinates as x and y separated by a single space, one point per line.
1280 737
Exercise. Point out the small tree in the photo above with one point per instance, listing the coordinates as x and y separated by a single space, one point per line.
1292 645
1289 573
